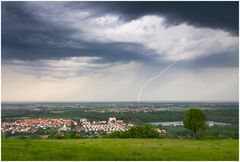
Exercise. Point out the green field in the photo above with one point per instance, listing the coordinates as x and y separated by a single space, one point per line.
120 149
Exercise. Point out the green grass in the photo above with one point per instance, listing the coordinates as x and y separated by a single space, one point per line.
120 149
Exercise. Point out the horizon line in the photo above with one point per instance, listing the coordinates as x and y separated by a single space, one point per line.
135 101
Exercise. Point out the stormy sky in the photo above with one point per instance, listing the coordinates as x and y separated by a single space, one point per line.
106 51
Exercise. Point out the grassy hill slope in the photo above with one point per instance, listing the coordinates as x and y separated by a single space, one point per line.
120 149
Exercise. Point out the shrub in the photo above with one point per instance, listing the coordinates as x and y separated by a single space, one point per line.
146 131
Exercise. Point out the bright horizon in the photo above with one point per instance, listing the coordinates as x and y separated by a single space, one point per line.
154 101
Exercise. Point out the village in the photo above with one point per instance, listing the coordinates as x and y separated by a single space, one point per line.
104 126
63 125
32 125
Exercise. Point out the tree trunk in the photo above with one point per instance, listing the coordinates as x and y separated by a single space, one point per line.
194 136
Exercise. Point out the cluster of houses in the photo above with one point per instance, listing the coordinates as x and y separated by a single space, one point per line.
104 126
122 110
32 125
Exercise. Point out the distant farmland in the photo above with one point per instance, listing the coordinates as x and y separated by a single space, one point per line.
120 149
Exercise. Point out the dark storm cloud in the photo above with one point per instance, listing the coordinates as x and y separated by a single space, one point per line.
26 38
44 45
221 60
220 15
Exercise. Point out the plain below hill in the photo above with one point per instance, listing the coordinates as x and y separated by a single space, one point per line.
120 149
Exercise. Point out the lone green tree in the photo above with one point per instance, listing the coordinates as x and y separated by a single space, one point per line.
195 120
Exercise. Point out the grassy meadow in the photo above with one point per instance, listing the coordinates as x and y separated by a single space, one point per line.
120 149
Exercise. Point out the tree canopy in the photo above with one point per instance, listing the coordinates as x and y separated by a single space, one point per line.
195 120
